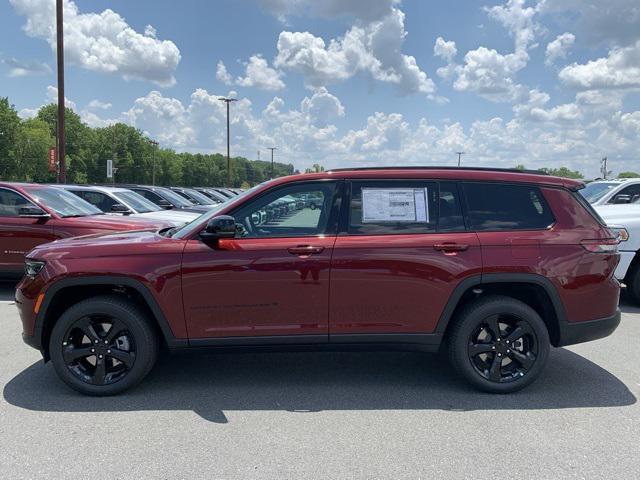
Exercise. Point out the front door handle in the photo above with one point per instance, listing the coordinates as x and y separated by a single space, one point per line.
451 247
304 250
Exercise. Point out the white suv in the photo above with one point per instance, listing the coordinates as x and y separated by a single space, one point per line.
121 201
603 192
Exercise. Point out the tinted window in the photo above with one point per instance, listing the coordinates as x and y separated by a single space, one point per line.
392 207
149 195
632 190
100 200
11 203
287 212
64 203
596 190
506 207
450 217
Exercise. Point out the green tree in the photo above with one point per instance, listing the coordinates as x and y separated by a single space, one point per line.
9 125
315 169
628 175
562 172
31 150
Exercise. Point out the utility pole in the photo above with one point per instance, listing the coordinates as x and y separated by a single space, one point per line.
153 159
228 101
273 149
459 157
603 168
62 172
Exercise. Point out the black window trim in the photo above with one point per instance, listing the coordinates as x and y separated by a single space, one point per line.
334 215
543 199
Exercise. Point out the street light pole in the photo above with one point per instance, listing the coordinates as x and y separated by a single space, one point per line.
153 159
272 150
62 172
228 101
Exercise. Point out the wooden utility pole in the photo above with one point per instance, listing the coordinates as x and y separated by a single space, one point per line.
228 101
62 164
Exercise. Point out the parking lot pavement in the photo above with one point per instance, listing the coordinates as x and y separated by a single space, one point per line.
331 415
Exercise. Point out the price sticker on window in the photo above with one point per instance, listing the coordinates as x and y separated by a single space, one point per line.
406 205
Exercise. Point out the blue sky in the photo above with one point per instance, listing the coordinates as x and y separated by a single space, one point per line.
347 82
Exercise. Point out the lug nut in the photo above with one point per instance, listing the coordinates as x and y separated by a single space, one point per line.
64 344
93 350
95 341
106 342
508 351
108 351
99 356
499 354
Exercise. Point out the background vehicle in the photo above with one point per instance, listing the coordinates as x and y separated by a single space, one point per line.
612 191
497 266
195 196
625 220
212 194
167 198
121 201
31 215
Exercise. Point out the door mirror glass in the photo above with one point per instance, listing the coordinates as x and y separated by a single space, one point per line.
31 211
223 226
119 208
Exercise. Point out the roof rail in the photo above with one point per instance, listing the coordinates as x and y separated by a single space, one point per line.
417 167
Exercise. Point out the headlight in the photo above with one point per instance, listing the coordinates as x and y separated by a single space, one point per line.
620 233
32 267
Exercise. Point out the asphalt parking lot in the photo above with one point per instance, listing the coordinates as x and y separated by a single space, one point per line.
324 415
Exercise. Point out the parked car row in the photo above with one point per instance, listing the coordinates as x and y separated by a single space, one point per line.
32 214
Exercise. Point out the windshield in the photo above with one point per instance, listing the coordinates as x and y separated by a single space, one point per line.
596 190
137 202
190 227
64 203
199 197
174 198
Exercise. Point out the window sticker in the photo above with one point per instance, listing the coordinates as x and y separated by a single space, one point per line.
408 205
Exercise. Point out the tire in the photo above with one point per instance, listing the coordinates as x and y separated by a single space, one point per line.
127 357
633 284
518 356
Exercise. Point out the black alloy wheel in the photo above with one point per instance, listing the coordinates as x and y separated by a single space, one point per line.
99 349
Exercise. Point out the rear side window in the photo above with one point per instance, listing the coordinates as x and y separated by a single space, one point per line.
494 206
393 207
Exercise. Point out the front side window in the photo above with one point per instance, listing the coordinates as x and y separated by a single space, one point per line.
494 206
64 203
633 191
288 212
11 203
137 202
392 207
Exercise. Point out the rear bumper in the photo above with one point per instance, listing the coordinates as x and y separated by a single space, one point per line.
626 258
579 332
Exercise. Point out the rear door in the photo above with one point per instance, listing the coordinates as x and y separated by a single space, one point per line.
401 251
19 234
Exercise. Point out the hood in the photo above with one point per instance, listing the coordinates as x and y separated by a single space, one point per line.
115 223
611 213
120 244
175 217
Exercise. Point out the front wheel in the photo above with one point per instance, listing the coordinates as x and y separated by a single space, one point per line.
103 345
498 344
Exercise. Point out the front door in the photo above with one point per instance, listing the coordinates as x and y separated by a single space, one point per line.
19 234
273 278
399 255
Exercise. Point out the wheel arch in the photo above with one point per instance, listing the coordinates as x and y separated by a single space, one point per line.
66 292
535 290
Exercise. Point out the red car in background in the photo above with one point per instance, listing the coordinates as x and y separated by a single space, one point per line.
32 214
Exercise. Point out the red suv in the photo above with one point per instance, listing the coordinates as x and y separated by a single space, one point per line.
495 266
32 214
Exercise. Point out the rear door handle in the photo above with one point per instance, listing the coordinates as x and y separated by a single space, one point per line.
451 247
305 250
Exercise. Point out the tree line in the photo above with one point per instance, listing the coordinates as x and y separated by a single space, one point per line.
25 144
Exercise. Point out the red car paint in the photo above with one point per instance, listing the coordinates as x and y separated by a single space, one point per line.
18 235
354 285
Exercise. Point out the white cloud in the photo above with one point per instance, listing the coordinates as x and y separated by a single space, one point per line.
258 74
374 48
368 10
619 70
322 108
18 68
559 48
97 104
103 42
52 97
445 49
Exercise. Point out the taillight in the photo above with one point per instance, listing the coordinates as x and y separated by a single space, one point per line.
605 245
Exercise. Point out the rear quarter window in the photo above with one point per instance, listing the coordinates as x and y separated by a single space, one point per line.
494 207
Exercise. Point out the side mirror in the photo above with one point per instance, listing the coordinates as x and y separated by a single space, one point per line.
165 204
223 226
119 208
31 211
621 198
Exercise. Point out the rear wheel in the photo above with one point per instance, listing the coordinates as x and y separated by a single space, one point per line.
103 346
498 344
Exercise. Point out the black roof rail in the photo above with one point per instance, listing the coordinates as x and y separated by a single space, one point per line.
417 167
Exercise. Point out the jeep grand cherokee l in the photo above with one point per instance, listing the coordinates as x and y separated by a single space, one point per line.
495 266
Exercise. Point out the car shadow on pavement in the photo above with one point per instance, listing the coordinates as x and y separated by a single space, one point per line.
7 291
210 384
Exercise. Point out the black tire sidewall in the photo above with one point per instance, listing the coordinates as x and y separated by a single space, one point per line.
143 334
469 319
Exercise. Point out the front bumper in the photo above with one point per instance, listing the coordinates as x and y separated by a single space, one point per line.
580 332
